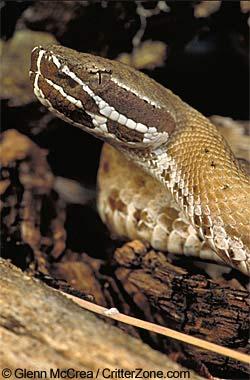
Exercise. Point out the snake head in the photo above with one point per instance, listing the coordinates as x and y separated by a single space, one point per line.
105 98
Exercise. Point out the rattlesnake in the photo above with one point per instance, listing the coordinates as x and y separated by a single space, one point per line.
174 182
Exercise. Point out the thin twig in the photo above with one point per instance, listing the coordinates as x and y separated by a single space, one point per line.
160 330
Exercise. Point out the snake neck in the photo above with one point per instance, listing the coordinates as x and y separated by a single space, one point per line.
205 179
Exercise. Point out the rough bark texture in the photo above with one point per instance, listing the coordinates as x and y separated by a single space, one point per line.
31 212
170 296
40 329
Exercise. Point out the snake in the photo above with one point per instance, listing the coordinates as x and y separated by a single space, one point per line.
166 175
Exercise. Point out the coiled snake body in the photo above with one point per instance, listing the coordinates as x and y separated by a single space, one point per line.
191 184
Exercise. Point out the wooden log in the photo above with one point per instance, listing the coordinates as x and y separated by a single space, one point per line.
172 297
41 329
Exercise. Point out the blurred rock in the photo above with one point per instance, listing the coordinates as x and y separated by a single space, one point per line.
14 80
148 55
206 8
32 215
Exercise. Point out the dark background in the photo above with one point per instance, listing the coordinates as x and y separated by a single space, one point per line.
207 62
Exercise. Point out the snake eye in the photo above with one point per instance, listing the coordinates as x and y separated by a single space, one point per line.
61 75
70 82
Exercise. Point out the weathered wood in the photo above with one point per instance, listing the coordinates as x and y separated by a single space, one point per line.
41 329
32 214
193 304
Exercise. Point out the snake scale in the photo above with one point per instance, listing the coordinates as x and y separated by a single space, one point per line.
170 177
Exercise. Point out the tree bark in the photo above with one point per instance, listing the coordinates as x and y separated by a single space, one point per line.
41 329
193 304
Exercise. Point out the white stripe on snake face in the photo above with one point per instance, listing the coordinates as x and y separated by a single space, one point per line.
56 61
104 108
36 47
70 98
127 88
98 121
109 111
37 90
100 129
150 134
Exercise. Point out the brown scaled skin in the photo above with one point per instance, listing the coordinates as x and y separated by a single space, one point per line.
186 154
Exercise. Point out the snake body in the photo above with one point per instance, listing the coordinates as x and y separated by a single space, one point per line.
170 155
